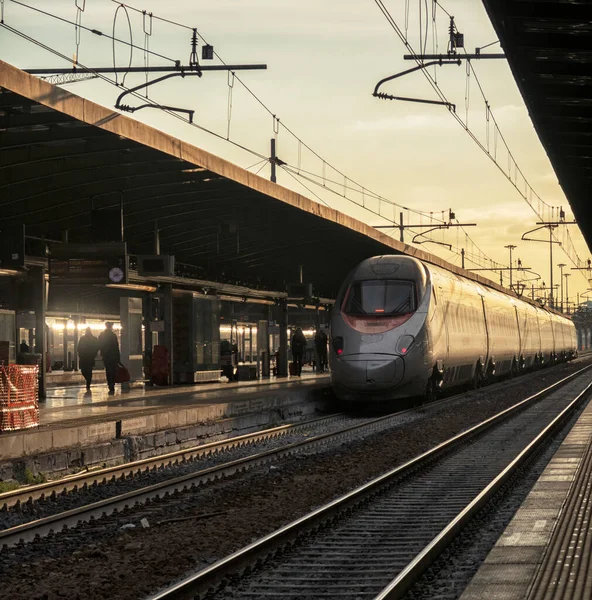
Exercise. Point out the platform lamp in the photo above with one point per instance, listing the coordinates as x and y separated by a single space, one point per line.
561 265
567 291
510 247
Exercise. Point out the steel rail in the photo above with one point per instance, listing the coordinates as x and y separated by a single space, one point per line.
43 526
104 475
210 577
69 483
399 586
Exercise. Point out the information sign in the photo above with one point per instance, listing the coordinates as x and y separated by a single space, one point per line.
89 264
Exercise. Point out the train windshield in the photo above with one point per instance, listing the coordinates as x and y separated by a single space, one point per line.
380 297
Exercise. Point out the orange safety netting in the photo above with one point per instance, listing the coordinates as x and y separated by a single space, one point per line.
19 397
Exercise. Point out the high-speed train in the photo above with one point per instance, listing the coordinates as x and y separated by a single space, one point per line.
401 327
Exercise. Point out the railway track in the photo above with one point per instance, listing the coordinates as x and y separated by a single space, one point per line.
377 540
41 509
28 531
95 477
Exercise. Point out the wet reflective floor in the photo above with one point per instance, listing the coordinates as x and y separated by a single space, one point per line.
74 402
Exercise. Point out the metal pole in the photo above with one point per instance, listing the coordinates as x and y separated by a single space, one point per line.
301 275
401 227
567 291
282 364
168 327
272 160
561 287
511 265
38 276
551 303
561 281
462 256
156 239
65 348
510 247
177 69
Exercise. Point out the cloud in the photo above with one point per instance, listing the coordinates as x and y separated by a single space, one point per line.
412 123
509 112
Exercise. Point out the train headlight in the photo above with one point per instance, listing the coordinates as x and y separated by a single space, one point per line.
338 345
404 344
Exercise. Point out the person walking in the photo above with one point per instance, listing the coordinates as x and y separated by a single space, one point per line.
321 349
324 358
88 346
318 342
298 345
109 347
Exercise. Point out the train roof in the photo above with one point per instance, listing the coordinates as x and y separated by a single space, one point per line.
458 273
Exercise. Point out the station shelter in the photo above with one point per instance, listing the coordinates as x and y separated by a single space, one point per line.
105 218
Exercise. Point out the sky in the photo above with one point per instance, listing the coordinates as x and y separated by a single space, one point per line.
323 61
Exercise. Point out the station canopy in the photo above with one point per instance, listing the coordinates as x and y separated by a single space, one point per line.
61 154
548 44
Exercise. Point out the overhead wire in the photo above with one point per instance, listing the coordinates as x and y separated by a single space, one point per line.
577 261
231 74
94 31
304 186
300 141
131 56
280 124
135 94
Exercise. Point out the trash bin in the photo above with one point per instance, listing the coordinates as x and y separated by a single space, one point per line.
19 397
28 358
265 366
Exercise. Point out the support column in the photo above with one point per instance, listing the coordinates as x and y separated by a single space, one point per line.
76 320
168 327
146 321
38 277
65 343
130 311
250 343
263 347
282 367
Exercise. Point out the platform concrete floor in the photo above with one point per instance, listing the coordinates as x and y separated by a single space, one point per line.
65 405
516 561
75 422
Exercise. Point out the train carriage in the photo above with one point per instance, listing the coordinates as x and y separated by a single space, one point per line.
401 327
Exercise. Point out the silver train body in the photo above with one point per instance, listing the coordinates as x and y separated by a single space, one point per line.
401 328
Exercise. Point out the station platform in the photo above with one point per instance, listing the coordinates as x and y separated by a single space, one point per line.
80 428
545 551
62 378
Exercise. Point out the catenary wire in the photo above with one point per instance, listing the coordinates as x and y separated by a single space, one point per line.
380 198
442 96
94 31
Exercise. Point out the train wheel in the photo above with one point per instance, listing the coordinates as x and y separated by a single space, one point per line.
514 369
490 373
432 389
477 380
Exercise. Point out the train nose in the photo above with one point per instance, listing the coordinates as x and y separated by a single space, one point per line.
384 371
371 372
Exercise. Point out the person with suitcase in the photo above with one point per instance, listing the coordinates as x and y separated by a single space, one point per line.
110 353
88 346
298 344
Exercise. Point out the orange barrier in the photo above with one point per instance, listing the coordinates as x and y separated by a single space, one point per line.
19 397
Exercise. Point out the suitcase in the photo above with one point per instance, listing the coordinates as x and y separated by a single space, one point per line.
121 374
292 369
